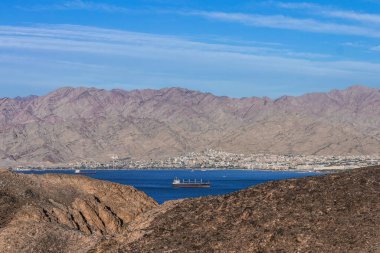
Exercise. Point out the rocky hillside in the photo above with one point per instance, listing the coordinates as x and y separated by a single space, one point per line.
332 213
70 124
63 213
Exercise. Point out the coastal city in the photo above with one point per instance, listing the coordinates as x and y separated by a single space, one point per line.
212 159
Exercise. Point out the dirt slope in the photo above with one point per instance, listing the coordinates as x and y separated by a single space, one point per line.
63 213
333 213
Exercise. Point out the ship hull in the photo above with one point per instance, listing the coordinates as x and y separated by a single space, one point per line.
191 185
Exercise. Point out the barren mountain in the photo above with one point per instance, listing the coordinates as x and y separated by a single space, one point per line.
332 213
66 213
63 213
71 124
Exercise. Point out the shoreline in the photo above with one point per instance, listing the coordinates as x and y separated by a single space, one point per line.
187 169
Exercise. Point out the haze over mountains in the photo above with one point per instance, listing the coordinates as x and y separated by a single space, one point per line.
72 124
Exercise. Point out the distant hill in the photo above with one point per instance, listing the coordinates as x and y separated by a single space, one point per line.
70 124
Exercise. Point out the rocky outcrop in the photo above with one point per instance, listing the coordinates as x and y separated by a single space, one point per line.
71 124
331 213
63 213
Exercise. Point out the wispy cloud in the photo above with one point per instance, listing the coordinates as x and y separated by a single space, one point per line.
294 5
96 40
356 44
367 23
329 11
78 5
351 15
76 55
290 23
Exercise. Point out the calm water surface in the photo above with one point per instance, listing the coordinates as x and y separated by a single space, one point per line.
157 183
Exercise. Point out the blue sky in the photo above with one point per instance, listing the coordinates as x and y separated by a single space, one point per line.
234 48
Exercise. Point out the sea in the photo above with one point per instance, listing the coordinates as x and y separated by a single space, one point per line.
157 183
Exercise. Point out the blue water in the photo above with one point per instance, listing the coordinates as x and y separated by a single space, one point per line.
157 183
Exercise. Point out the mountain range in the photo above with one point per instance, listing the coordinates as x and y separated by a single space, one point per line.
71 124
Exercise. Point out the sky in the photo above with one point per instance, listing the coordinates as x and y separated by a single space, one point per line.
227 47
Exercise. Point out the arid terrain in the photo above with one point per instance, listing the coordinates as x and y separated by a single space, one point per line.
60 213
63 213
72 124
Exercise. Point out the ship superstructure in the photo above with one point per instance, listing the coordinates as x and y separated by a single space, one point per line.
190 183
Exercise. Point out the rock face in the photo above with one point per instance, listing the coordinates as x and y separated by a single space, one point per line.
332 213
63 213
70 124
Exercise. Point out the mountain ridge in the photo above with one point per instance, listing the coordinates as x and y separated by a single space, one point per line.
354 88
71 124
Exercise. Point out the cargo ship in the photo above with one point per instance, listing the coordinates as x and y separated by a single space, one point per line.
84 172
190 183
